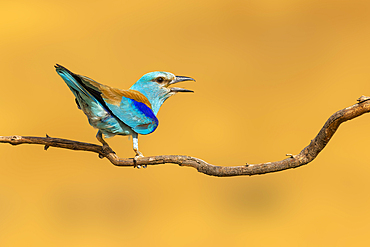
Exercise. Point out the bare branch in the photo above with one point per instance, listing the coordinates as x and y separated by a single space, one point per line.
308 154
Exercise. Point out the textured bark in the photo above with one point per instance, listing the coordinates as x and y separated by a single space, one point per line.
308 154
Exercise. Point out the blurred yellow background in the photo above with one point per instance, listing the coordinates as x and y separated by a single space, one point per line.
269 74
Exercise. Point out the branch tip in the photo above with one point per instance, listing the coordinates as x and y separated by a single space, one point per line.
363 98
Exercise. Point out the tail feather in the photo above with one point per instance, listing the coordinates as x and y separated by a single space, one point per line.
72 81
79 86
91 103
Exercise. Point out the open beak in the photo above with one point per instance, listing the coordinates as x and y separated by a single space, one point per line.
180 79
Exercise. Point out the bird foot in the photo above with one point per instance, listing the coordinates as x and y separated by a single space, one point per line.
137 156
107 149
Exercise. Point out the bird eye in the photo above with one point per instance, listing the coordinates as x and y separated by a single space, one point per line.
160 79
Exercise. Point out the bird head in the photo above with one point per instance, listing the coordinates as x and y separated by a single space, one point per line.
157 87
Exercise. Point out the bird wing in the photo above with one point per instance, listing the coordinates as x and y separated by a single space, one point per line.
129 106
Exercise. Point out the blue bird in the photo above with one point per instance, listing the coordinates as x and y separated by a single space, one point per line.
123 112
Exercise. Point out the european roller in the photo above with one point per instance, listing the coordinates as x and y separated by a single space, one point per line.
123 112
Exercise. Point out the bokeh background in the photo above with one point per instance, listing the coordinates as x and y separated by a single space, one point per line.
269 74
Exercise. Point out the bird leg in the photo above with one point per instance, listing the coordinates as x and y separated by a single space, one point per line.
106 146
135 142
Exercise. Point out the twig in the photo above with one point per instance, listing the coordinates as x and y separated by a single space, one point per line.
308 154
